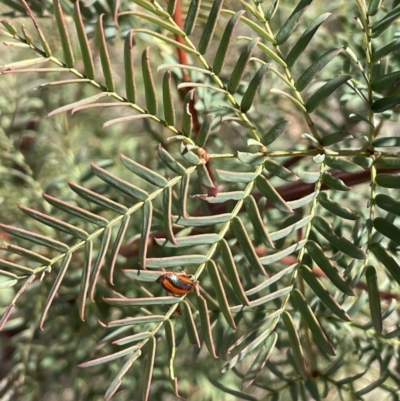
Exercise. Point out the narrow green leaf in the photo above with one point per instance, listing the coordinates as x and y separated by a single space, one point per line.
343 244
202 221
274 132
133 338
104 56
271 54
302 43
149 6
225 42
170 162
6 282
299 303
101 256
225 389
192 240
274 257
211 24
14 266
143 172
388 261
98 199
295 345
316 67
322 93
170 339
306 200
143 275
161 22
388 141
280 171
333 182
26 253
130 85
257 222
387 203
148 372
184 195
123 186
335 208
83 42
272 10
56 285
260 360
388 180
246 245
117 245
351 379
191 17
386 81
290 24
379 27
63 32
388 229
235 176
385 50
189 323
167 215
385 103
171 7
373 7
10 28
333 138
290 229
108 358
176 261
222 197
54 223
130 321
146 227
340 163
240 66
377 383
322 293
205 131
85 280
251 158
35 238
142 301
271 194
232 273
148 82
220 293
251 91
206 325
247 350
374 298
168 102
76 211
118 379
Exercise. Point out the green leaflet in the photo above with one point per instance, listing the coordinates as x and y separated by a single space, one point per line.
191 16
387 81
374 298
383 24
290 24
168 102
335 208
343 244
388 180
388 229
388 141
385 50
387 203
386 103
117 245
170 162
388 261
205 131
316 67
322 293
104 56
274 132
295 345
271 194
302 43
149 86
251 91
148 372
208 30
280 171
147 217
322 93
175 261
206 325
299 302
63 32
333 182
189 323
240 66
343 164
225 42
246 245
374 6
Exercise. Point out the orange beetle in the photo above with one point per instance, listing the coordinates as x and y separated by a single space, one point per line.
177 284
